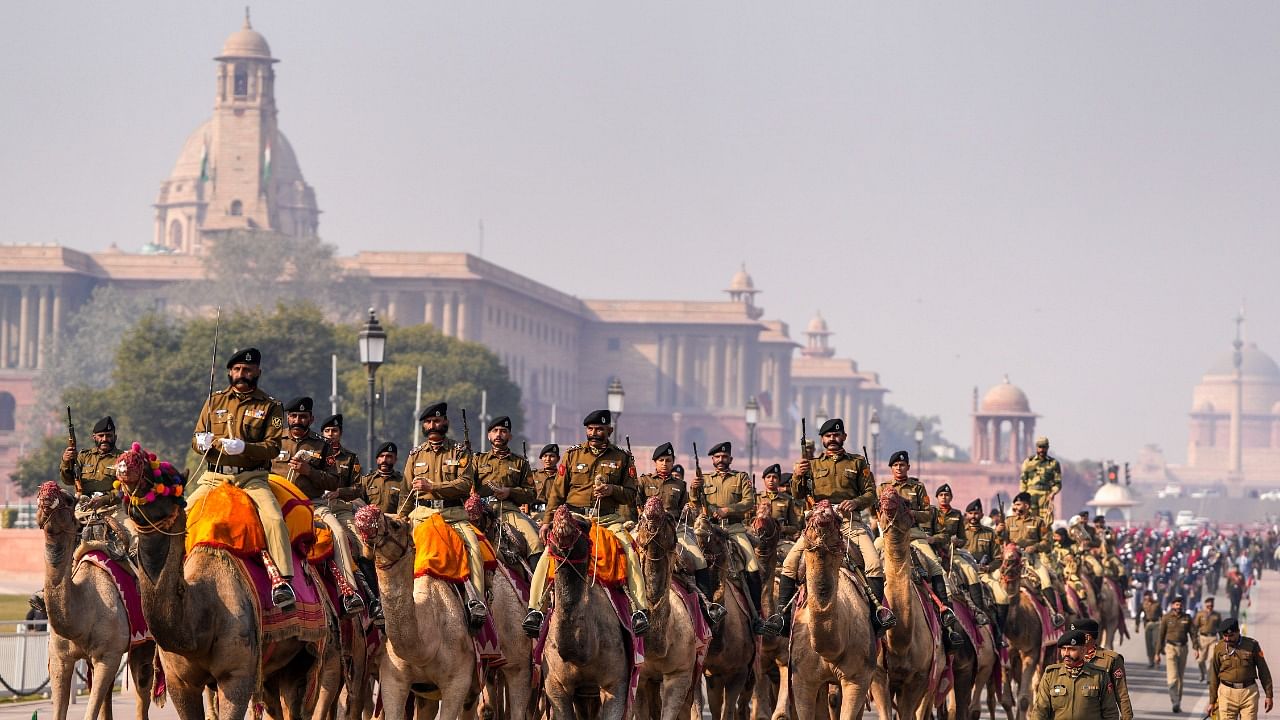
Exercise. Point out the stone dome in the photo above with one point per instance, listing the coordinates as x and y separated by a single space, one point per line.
741 280
818 325
1259 380
1253 363
284 163
246 43
1112 495
1005 398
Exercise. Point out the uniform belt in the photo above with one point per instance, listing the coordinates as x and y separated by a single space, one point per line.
233 470
1237 686
1179 644
442 504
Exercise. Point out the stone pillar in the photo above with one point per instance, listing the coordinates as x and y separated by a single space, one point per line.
393 306
715 378
993 439
451 315
42 324
464 306
661 360
682 367
4 327
24 327
1014 430
740 383
429 305
57 315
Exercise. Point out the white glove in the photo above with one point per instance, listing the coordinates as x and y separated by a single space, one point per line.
204 441
232 446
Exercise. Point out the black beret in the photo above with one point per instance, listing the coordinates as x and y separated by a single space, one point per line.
943 488
386 447
439 409
833 425
724 447
899 456
1073 638
299 405
502 421
1088 626
677 468
1022 497
664 450
1228 625
1099 519
774 469
975 506
785 479
551 448
247 356
106 424
332 421
598 417
1178 598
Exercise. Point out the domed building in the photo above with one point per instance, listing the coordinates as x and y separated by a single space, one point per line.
236 171
1004 428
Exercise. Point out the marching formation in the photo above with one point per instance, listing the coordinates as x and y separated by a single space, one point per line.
576 585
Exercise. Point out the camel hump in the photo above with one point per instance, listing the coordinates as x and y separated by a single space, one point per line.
225 517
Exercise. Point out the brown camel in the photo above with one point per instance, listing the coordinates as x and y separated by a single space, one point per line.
670 648
1022 629
87 619
730 663
585 657
832 641
203 614
1110 614
428 646
773 649
508 692
972 665
905 680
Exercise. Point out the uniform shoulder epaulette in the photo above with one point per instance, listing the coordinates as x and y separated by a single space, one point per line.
572 447
420 446
1055 666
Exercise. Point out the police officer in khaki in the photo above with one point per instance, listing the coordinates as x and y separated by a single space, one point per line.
239 433
1042 479
782 505
510 478
597 479
549 456
93 469
1150 614
1236 666
1206 633
348 497
982 545
343 463
1030 532
953 525
385 486
847 482
1175 633
1109 661
1074 689
730 497
441 475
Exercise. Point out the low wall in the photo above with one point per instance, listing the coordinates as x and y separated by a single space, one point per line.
21 560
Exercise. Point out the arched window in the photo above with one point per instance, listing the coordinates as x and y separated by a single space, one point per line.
241 87
8 408
237 208
175 235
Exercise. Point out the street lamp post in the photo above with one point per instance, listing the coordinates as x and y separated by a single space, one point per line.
920 447
614 394
873 425
753 417
373 343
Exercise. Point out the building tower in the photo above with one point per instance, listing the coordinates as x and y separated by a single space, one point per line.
1235 454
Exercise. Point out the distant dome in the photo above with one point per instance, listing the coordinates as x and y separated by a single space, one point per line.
741 280
1253 362
1112 495
1005 398
817 325
284 162
246 42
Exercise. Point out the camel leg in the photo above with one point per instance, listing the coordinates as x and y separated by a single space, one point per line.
780 705
881 695
395 692
61 670
518 678
853 697
188 700
674 696
102 674
233 697
142 670
804 697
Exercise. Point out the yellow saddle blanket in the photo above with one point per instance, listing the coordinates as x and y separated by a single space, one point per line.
225 517
441 553
607 554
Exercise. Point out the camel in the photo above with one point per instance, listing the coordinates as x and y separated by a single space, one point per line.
508 691
730 661
1110 615
670 648
773 649
972 666
428 647
905 681
832 640
1022 629
87 618
203 613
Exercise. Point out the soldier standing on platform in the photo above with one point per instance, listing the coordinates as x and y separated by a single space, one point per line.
1042 478
1175 633
1236 666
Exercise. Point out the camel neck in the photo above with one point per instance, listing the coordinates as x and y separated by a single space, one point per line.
897 574
166 596
395 576
58 586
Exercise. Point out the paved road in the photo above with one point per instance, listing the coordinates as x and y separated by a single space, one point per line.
1146 686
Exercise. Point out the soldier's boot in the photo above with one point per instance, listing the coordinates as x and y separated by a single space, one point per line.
36 601
375 605
352 604
533 623
1054 615
997 627
760 624
281 592
639 616
476 609
713 611
786 593
975 602
882 615
951 632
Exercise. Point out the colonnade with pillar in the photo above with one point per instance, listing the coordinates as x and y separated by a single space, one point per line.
452 312
31 317
995 442
838 401
701 372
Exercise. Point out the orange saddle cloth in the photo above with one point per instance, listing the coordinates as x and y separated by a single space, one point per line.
610 559
441 553
225 517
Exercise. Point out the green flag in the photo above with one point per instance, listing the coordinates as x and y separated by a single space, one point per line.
204 161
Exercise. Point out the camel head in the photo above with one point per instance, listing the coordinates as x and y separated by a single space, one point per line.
568 538
1011 566
894 512
151 490
822 529
766 529
55 510
389 536
656 531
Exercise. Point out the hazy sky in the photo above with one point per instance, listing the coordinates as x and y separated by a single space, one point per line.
1076 194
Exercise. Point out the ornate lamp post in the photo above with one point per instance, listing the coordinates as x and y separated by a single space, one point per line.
753 417
615 396
873 426
373 343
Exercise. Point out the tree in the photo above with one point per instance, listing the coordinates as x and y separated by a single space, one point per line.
898 429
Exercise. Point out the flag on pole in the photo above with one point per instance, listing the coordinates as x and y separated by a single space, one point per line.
204 161
266 164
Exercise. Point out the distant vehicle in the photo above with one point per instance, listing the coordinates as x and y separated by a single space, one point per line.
1171 490
1270 495
1206 493
1185 517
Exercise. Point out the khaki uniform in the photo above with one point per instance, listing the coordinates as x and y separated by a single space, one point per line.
1175 633
928 528
512 472
580 470
1234 673
541 478
318 455
450 470
346 466
258 420
837 478
982 543
954 528
734 492
93 471
1031 533
675 500
1086 694
378 490
1042 479
1151 612
1112 663
1205 635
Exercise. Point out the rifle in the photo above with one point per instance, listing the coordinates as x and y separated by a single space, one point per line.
697 472
213 366
804 485
71 443
466 445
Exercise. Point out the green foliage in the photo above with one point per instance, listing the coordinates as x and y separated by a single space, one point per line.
898 429
453 371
